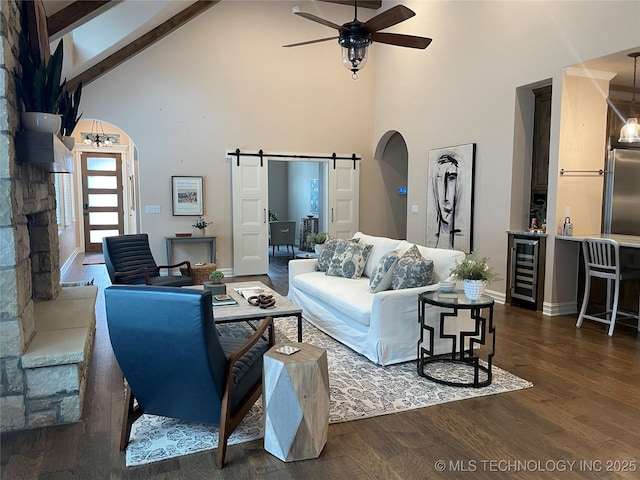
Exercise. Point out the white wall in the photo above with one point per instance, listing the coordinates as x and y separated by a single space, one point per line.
223 81
462 89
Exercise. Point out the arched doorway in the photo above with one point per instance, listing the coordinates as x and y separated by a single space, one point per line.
106 178
392 166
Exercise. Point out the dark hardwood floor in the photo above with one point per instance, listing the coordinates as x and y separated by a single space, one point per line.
584 408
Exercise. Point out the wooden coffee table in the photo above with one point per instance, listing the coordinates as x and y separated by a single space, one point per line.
245 312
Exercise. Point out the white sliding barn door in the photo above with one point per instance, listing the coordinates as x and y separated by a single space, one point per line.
343 195
250 219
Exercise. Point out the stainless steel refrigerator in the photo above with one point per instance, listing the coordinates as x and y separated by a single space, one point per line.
622 189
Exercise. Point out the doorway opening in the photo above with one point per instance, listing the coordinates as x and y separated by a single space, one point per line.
107 182
297 193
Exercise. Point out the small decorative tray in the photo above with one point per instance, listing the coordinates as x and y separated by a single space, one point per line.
183 234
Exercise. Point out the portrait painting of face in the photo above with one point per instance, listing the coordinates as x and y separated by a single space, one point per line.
450 197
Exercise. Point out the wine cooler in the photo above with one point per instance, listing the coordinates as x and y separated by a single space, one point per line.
524 271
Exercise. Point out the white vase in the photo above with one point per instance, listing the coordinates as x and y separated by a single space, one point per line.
41 122
474 289
318 248
198 232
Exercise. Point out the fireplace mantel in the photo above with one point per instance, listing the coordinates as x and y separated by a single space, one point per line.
43 150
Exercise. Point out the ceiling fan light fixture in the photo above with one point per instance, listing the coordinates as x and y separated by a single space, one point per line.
354 52
630 132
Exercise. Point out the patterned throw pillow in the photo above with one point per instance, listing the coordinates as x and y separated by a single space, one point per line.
412 270
326 254
349 259
383 272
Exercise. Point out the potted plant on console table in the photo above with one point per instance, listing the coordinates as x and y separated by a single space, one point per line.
474 273
200 226
317 241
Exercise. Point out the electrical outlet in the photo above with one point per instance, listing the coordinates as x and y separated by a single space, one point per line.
152 209
414 208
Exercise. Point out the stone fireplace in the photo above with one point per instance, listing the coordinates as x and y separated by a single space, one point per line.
39 384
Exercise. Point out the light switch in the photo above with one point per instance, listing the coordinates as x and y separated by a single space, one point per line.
152 209
414 208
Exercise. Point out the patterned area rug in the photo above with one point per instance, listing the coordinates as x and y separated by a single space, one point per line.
359 389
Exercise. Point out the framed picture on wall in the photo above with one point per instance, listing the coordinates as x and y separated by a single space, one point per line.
186 196
450 197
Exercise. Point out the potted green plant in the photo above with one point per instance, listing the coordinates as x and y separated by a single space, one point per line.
200 226
39 87
216 276
215 285
69 103
317 240
474 273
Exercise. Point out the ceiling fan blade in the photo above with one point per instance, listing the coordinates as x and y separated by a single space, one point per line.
310 42
391 17
401 40
316 19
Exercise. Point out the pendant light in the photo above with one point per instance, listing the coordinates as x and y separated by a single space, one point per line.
631 131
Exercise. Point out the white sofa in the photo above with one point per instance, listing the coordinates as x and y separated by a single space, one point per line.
381 326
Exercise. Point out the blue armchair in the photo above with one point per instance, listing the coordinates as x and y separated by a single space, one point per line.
175 363
129 261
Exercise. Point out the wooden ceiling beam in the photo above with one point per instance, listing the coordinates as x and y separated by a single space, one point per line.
373 4
141 43
74 15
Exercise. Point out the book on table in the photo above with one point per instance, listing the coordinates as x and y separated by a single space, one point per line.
246 292
223 300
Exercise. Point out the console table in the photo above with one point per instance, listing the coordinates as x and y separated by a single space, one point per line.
464 353
210 240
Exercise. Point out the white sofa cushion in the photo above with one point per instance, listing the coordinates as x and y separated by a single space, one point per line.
349 296
381 245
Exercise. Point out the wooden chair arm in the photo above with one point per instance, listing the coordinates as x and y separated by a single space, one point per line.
233 358
186 262
144 270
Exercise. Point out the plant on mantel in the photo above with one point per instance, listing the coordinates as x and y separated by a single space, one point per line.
69 103
39 85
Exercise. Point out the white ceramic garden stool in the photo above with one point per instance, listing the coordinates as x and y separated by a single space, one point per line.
295 400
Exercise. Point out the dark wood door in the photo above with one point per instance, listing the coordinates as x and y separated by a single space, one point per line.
102 198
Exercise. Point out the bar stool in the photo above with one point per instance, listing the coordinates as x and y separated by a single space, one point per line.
602 260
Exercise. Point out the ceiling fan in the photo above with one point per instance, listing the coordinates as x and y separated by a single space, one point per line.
354 37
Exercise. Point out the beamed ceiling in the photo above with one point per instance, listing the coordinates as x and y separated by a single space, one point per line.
75 20
63 17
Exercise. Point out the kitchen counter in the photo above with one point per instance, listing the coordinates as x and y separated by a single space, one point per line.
538 233
629 241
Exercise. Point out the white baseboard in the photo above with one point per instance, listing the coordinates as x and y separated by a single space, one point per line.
555 309
67 264
498 297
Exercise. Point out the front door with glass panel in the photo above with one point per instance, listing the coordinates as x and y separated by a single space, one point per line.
102 198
